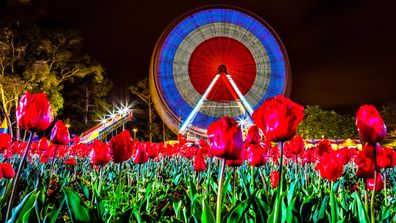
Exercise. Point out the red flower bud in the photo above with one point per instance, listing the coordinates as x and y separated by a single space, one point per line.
380 183
274 179
226 138
71 161
199 163
253 135
34 112
256 155
141 155
5 142
6 170
365 161
278 118
370 125
101 153
60 134
121 147
330 167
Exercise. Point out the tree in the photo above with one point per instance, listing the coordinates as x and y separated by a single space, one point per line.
320 123
142 90
39 57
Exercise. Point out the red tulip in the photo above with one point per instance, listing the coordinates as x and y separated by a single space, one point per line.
278 117
274 179
141 155
330 167
6 171
71 161
344 155
34 112
294 147
253 136
5 142
256 155
199 163
226 138
380 183
365 162
43 144
60 134
370 125
101 153
324 146
237 162
121 147
309 156
385 158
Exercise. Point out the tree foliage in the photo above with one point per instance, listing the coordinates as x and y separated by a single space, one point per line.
45 56
320 123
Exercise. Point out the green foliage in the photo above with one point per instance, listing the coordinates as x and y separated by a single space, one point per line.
320 123
41 58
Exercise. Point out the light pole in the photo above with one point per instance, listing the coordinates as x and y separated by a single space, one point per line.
134 130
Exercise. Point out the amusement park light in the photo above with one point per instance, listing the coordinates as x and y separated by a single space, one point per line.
112 115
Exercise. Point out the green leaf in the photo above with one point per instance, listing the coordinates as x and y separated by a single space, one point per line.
207 214
51 218
362 215
21 212
78 210
321 210
237 212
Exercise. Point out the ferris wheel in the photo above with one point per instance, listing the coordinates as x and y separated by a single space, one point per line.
214 62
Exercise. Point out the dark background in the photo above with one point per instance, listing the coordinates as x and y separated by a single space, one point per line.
342 53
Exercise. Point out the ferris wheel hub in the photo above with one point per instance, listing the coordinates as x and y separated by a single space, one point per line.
222 69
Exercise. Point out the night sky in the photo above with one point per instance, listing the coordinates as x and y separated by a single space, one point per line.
342 53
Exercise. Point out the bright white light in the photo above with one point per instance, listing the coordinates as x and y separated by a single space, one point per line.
241 97
103 121
183 128
112 115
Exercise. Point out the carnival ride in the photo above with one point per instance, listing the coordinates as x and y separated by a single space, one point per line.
106 126
214 62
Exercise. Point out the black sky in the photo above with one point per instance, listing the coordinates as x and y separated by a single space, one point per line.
342 52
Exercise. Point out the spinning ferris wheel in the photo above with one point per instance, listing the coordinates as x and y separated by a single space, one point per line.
213 62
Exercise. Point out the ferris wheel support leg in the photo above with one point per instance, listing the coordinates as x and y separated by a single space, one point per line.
194 112
241 97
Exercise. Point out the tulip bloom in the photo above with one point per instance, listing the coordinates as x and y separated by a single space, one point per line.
5 142
121 147
226 138
141 155
344 155
6 171
365 162
380 183
60 134
199 163
330 167
253 135
370 125
274 179
256 155
278 118
71 161
385 158
101 153
34 112
323 147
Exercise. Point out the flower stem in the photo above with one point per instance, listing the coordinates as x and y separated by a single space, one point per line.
219 192
14 186
277 211
209 178
386 194
100 179
52 165
372 211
